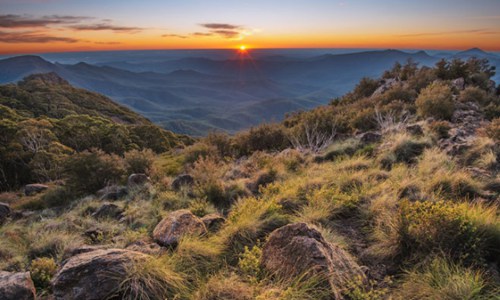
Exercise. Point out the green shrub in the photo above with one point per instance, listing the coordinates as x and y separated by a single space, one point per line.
249 263
436 101
139 161
42 269
474 94
265 137
89 171
427 228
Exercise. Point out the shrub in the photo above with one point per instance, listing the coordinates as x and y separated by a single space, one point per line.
89 171
42 269
139 161
436 101
201 207
249 263
208 175
440 129
493 130
474 94
365 87
427 228
265 137
58 196
199 150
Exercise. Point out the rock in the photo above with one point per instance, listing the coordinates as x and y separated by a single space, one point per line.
182 180
139 179
73 251
4 212
213 222
35 188
175 225
108 210
295 249
113 192
94 275
146 248
387 84
458 83
415 129
16 286
370 137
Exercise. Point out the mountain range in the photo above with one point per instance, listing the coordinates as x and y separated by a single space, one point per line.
196 94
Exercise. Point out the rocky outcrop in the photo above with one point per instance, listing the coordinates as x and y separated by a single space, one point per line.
136 180
35 188
182 180
386 85
297 249
16 286
458 84
177 224
113 192
108 210
4 212
94 275
213 222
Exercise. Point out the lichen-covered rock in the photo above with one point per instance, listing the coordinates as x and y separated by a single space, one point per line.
94 275
4 212
35 188
182 180
297 249
136 180
16 286
113 192
108 210
178 223
213 222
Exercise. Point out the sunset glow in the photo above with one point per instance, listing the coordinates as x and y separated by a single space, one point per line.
36 26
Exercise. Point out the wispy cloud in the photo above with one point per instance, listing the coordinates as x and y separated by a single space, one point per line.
443 33
107 43
220 26
180 36
105 26
33 37
28 21
201 34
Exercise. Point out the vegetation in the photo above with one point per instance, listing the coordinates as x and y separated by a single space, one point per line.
371 172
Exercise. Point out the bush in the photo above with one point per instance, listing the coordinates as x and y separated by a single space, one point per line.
208 175
436 101
265 137
42 269
89 171
139 161
474 94
440 129
427 228
493 130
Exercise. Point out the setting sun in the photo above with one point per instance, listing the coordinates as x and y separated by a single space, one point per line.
243 48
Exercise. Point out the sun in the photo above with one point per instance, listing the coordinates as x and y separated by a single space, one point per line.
243 48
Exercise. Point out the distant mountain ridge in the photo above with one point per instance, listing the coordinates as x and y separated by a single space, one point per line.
241 91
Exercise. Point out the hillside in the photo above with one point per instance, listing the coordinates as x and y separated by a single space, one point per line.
44 119
391 191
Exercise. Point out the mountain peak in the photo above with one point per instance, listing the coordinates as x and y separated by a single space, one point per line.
474 51
51 78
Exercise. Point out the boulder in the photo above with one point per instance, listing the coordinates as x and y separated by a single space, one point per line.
146 247
35 188
139 179
113 192
182 180
458 84
178 223
4 212
94 275
386 85
108 210
213 222
370 137
297 249
16 286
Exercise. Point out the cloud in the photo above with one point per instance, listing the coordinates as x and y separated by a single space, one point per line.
174 35
27 21
202 34
32 37
228 34
220 26
471 31
107 43
104 26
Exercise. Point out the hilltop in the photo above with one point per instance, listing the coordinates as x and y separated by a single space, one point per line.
390 191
